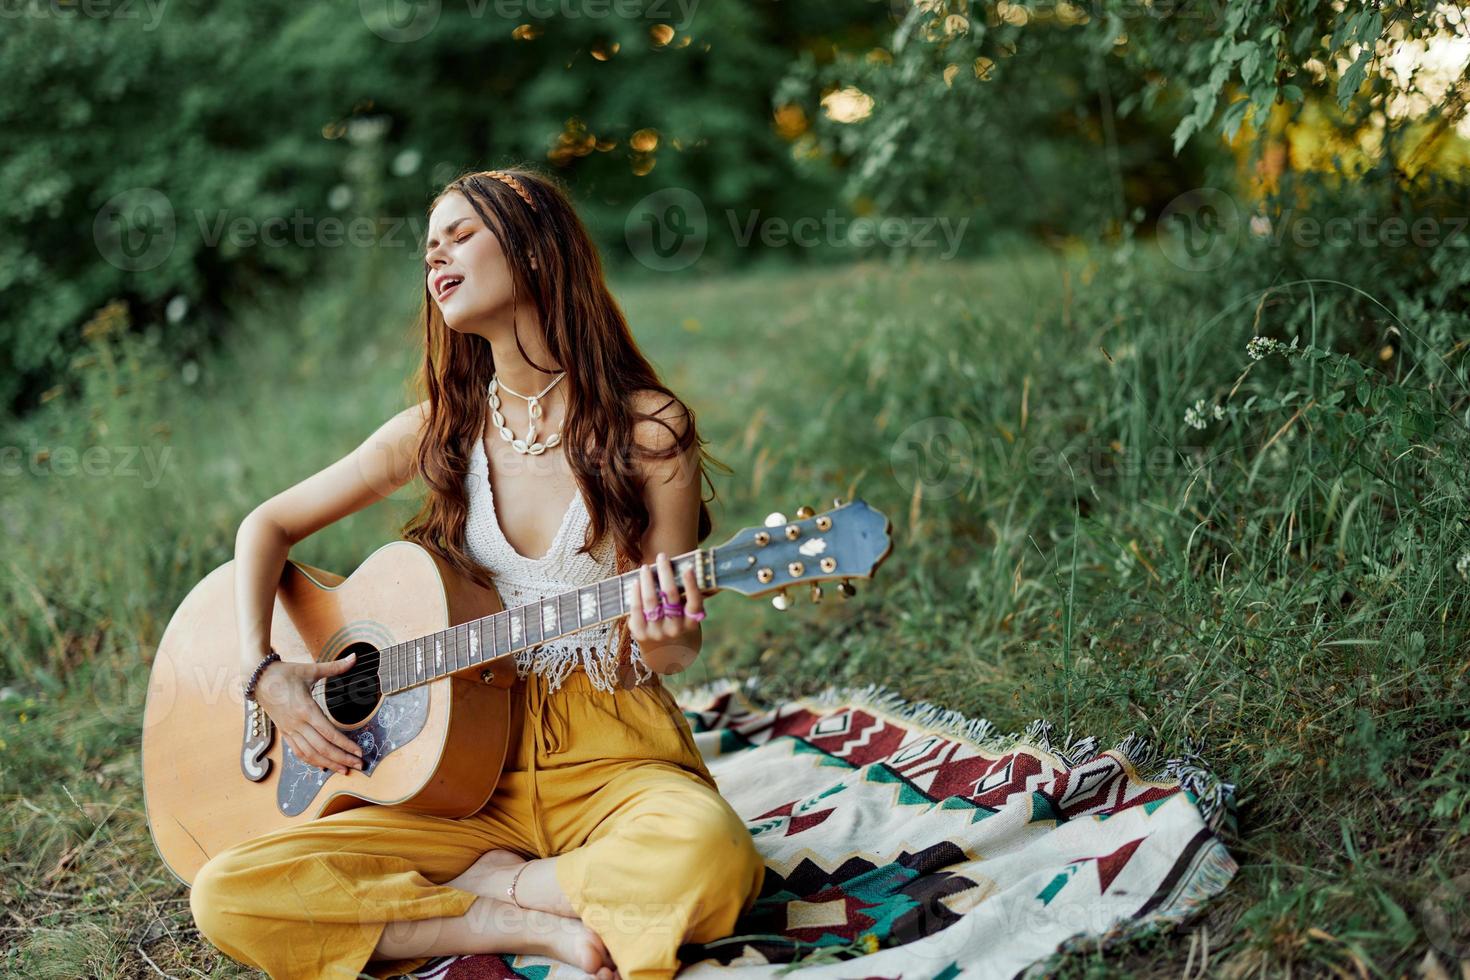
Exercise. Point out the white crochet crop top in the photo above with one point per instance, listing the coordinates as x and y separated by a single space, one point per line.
520 580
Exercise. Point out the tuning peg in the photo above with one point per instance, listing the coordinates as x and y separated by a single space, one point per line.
781 600
816 592
836 501
803 512
846 589
775 519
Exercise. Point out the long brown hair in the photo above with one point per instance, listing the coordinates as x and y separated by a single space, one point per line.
588 337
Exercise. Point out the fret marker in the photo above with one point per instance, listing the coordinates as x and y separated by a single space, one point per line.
474 643
589 607
630 590
438 655
515 629
438 650
548 619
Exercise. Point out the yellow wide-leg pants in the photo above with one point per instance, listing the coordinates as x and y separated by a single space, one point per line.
650 854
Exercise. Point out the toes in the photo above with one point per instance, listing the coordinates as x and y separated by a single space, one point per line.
607 970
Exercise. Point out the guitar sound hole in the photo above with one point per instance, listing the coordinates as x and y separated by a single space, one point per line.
352 696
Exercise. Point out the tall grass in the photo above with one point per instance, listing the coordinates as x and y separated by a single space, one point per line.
1280 583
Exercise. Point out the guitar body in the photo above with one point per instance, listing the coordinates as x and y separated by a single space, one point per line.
215 774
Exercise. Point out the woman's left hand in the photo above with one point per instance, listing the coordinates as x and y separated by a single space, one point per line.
671 639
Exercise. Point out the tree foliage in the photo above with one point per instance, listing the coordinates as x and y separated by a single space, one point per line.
1080 91
254 137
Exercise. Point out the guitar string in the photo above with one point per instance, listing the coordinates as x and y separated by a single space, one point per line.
401 657
369 665
398 654
370 662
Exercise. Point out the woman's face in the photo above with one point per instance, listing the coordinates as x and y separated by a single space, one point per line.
468 275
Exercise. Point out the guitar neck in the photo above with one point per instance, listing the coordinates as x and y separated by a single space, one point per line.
428 658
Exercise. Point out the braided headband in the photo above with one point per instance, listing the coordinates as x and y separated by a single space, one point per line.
513 184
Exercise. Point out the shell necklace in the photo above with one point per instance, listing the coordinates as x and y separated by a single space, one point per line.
528 445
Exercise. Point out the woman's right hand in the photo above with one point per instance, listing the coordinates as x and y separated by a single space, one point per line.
284 692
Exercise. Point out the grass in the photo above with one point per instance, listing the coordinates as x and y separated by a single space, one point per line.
1280 582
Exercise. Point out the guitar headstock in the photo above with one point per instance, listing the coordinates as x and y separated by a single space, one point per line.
849 541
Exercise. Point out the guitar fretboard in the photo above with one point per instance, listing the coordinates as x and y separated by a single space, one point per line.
428 658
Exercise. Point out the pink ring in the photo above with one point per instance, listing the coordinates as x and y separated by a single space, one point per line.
651 615
673 608
696 616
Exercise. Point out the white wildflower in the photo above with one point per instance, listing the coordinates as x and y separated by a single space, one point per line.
1463 565
1259 347
1194 416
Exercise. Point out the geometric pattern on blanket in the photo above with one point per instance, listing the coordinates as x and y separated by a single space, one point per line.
907 840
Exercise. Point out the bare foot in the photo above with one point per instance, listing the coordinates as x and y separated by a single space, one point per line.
538 933
481 877
568 938
535 882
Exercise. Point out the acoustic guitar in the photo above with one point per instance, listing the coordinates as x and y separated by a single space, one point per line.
429 697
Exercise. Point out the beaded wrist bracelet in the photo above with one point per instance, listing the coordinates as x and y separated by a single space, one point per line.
270 658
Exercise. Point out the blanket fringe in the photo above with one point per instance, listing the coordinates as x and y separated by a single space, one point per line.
1214 797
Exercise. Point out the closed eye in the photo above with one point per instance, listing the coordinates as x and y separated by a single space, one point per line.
458 241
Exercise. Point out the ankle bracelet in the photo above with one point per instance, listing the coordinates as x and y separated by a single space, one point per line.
511 891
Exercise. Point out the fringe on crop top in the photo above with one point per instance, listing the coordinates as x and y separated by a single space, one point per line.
521 580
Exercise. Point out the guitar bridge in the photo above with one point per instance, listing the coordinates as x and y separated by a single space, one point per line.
259 732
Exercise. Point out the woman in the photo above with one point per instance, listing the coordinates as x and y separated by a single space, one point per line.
606 843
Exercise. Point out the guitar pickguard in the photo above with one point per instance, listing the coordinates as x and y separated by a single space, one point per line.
398 721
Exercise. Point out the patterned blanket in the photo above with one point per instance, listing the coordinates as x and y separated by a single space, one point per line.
921 843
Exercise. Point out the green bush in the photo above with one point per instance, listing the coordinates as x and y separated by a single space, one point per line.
181 158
